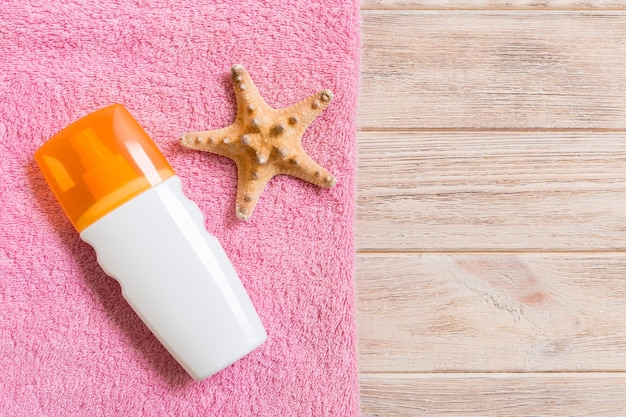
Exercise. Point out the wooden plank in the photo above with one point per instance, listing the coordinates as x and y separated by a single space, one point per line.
514 70
491 312
468 191
571 395
543 5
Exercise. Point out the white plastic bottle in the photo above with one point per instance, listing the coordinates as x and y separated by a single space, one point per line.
125 200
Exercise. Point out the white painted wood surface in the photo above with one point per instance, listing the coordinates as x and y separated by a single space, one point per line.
486 69
491 221
500 312
485 190
494 395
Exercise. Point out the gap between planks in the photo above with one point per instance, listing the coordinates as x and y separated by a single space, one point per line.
468 8
460 129
460 251
494 374
506 5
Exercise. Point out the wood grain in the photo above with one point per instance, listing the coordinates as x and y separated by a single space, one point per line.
491 312
543 5
494 395
467 191
485 70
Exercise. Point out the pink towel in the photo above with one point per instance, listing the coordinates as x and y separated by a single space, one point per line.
70 345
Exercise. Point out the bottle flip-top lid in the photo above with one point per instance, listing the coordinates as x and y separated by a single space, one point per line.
100 162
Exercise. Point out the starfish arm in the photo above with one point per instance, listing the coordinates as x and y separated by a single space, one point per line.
301 114
220 141
251 181
305 168
246 92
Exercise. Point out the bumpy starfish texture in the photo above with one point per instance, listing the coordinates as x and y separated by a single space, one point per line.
264 141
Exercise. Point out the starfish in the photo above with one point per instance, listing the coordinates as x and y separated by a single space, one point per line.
263 141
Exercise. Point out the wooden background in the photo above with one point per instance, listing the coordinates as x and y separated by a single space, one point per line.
491 222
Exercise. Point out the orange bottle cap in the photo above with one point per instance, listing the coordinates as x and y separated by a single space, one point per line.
99 162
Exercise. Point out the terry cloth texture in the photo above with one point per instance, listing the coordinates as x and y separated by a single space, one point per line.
70 345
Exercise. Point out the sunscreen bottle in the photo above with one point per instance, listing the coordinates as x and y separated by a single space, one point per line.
125 200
